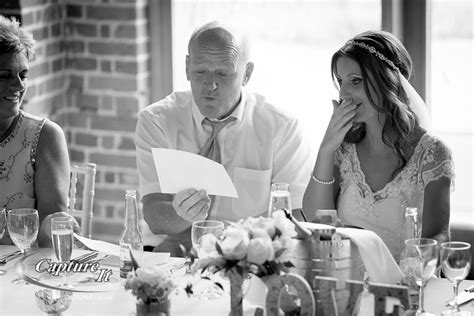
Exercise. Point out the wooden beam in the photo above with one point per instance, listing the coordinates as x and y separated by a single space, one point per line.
161 76
410 21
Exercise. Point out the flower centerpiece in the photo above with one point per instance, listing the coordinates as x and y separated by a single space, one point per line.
254 245
152 287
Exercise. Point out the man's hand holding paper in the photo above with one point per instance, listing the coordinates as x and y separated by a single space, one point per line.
191 204
191 178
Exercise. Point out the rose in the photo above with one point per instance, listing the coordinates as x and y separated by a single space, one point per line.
208 243
150 282
153 275
265 224
284 225
260 250
284 243
259 233
235 243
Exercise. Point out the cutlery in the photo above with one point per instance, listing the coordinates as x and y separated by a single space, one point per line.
101 258
4 260
177 267
463 297
9 255
86 257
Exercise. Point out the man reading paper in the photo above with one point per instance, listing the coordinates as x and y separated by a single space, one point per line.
256 142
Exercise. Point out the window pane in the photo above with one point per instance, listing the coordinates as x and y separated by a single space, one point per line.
452 43
292 45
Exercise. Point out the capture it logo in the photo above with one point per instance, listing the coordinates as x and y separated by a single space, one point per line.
55 268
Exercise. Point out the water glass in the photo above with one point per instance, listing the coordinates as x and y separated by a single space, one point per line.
279 198
204 231
203 235
23 227
62 235
419 260
455 259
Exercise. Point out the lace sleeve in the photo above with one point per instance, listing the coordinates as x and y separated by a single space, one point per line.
436 162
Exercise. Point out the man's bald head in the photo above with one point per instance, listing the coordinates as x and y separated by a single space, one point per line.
220 36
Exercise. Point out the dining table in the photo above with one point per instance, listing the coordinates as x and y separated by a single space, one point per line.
113 299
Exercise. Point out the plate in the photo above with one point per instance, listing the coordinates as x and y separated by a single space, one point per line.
41 268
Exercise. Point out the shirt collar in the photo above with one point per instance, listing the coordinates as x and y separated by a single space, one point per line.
237 113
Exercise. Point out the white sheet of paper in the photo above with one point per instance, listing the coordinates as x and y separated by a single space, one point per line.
149 258
99 245
179 170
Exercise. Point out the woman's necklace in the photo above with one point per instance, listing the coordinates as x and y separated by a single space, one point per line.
10 128
5 139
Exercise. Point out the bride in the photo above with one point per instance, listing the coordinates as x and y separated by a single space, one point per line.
375 159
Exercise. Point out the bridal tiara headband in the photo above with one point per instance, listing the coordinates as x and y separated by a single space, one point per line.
375 52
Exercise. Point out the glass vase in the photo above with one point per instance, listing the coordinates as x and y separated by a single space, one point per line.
236 280
158 307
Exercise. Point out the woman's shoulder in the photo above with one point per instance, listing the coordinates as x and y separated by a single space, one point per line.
32 117
432 152
432 143
51 132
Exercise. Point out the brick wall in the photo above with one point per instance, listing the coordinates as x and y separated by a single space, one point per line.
47 84
90 75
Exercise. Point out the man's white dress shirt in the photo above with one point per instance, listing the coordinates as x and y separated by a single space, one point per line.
263 145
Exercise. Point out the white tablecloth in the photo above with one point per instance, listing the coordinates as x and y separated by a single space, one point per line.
20 299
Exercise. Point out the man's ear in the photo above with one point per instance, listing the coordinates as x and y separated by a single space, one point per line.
248 73
187 68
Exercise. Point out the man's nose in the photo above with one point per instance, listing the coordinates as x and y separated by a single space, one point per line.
210 82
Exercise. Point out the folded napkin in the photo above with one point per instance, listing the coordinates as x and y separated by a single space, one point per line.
149 258
378 261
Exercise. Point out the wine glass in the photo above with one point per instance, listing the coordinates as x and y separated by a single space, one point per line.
203 235
279 198
3 223
455 259
420 258
62 235
23 226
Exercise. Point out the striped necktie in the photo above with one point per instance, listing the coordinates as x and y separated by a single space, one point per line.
211 148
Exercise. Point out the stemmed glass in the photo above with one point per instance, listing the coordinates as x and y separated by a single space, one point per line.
62 235
279 198
3 223
420 259
455 259
203 233
23 226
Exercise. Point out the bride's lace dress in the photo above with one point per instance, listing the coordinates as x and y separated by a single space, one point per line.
383 211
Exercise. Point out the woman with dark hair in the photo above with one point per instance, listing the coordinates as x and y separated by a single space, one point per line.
34 162
375 159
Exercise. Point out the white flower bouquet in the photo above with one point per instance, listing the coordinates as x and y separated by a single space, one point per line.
151 284
257 245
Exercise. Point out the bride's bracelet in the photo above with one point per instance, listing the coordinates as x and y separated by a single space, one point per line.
315 179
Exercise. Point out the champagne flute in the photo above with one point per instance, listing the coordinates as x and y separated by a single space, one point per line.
203 234
62 235
455 259
420 259
279 198
3 223
23 227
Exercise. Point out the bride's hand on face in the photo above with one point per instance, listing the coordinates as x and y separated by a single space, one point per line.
340 123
